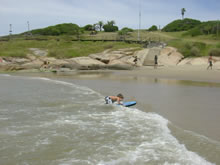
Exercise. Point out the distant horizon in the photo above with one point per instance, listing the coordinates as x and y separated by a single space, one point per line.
125 13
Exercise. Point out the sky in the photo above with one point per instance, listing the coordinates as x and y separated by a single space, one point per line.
43 13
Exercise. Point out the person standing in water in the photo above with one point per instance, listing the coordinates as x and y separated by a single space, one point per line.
210 62
155 61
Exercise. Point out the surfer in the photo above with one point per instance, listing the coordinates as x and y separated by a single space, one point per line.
111 99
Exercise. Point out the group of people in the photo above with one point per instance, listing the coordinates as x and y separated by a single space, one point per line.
155 61
119 98
210 61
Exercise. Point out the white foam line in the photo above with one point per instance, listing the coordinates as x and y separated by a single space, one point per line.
65 83
189 156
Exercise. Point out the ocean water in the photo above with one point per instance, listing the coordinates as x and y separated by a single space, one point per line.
53 122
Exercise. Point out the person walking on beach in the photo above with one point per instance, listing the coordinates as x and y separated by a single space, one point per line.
135 60
210 62
155 62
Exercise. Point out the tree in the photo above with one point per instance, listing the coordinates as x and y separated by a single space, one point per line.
153 28
88 27
124 32
183 10
111 23
100 24
109 27
95 27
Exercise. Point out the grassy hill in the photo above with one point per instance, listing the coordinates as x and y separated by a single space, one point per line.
58 40
181 25
59 46
60 29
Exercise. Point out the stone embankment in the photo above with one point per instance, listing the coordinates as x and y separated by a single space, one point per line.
121 59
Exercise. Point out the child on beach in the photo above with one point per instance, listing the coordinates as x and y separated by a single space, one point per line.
210 62
135 60
155 62
111 99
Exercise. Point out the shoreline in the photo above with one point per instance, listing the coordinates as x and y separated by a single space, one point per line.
134 83
183 96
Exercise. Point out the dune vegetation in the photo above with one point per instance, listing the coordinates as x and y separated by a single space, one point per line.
191 37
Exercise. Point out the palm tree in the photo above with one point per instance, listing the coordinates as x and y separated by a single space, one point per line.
111 23
183 10
100 24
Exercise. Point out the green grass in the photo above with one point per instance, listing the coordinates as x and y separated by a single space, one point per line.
64 48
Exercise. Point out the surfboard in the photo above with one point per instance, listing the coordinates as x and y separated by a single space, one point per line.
129 103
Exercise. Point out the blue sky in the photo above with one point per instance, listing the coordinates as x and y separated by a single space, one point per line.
43 13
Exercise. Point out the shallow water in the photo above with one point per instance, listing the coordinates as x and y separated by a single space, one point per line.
53 121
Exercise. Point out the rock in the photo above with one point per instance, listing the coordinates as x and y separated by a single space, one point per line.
169 57
72 66
106 58
149 58
86 61
127 60
38 52
48 59
37 64
185 61
168 51
194 61
31 57
3 66
11 67
119 67
13 60
109 57
100 57
141 55
20 60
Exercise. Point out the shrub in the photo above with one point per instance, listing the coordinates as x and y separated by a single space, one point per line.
125 31
215 52
60 29
204 28
88 27
181 25
153 28
190 49
110 28
194 52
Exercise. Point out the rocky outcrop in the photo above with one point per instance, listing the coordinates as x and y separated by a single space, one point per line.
141 56
169 57
38 52
199 61
149 59
121 59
